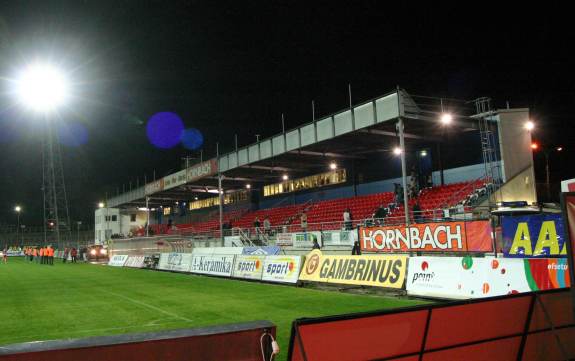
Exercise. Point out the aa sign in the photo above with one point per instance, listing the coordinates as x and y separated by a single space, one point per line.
540 235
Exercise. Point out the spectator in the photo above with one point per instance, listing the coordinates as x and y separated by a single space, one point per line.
5 255
347 219
267 226
356 250
398 190
315 244
380 213
257 226
170 223
74 254
417 216
303 220
65 255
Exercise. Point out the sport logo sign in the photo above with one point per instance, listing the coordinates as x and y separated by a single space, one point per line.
283 269
311 264
250 267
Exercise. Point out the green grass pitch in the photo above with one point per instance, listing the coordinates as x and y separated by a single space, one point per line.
41 302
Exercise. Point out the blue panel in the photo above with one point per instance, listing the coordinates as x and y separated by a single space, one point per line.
540 235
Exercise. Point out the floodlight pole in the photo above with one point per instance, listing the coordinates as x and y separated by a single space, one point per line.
220 195
403 168
147 215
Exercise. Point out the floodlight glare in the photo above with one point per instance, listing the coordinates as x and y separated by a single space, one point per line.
248 186
17 209
559 149
529 125
332 166
534 145
446 118
397 150
101 205
285 177
42 88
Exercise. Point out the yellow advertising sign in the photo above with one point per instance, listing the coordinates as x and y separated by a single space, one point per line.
377 270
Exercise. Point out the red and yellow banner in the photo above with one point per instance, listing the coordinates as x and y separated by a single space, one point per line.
472 236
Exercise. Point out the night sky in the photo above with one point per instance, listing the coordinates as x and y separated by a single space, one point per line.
234 67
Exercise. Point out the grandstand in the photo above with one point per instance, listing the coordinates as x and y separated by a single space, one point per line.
345 160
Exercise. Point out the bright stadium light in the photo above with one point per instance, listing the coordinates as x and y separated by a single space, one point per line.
285 177
423 153
248 186
534 146
397 150
332 166
101 205
529 125
42 87
446 118
559 149
17 209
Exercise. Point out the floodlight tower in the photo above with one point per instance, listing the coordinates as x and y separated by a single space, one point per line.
43 89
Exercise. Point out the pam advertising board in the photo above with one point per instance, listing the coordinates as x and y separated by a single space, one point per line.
471 277
217 265
377 270
250 267
179 262
305 239
135 262
338 238
284 269
538 235
118 260
472 236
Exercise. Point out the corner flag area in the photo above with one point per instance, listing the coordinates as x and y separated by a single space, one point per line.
42 302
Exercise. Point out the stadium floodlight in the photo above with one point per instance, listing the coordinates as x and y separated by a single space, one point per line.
446 118
332 166
534 145
529 125
285 177
423 153
195 198
42 87
248 186
101 205
17 209
559 149
397 151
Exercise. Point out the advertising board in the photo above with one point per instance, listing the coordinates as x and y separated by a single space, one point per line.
217 265
262 251
377 270
338 238
249 267
284 239
210 251
305 239
175 179
135 262
201 170
179 262
118 260
538 235
472 277
284 269
472 236
154 187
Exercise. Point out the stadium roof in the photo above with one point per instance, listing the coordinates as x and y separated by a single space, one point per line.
353 133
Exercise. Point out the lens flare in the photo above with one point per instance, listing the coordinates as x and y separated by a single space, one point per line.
165 130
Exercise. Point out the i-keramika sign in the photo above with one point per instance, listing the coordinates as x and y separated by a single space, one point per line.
380 271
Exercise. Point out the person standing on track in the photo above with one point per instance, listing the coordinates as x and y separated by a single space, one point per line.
73 253
35 254
5 255
50 255
41 255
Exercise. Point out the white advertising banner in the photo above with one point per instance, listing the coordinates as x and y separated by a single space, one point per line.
442 277
284 239
233 241
201 170
221 265
338 238
179 262
282 269
135 262
249 267
471 277
118 260
305 239
175 179
154 187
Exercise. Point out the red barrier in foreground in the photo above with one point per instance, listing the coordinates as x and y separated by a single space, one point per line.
529 326
226 342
